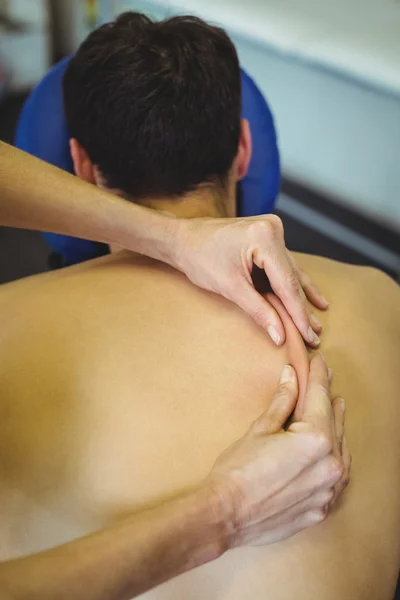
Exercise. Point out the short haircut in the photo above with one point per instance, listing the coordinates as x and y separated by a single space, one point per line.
156 105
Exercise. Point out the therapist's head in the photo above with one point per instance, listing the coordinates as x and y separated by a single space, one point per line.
154 109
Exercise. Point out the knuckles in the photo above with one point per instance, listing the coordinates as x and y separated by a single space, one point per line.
346 481
318 515
271 227
320 444
335 470
327 497
261 230
276 223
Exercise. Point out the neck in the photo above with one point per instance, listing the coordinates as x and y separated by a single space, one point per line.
191 206
205 201
202 203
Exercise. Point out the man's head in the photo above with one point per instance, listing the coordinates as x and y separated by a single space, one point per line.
154 111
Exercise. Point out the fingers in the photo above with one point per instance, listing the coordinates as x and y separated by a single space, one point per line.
317 402
318 479
311 291
268 252
285 281
282 405
325 422
336 441
347 460
276 531
345 479
305 521
308 506
266 249
339 419
261 311
245 242
338 415
320 500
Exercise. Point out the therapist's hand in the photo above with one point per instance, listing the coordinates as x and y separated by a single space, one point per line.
274 482
219 254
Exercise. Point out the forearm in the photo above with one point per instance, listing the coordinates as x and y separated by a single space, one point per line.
36 195
125 560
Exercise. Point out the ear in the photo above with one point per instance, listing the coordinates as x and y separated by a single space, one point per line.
83 166
244 150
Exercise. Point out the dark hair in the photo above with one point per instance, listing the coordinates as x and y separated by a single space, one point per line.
156 105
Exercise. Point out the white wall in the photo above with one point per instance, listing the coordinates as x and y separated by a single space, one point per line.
334 134
25 53
33 12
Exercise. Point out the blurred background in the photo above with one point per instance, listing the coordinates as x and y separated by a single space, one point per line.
330 72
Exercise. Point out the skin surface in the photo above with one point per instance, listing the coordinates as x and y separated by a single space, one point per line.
36 195
231 508
121 383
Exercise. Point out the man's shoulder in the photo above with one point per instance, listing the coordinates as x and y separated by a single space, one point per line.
367 288
15 295
381 293
344 271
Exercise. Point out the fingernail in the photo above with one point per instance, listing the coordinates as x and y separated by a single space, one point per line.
313 338
342 405
324 300
330 374
315 321
287 374
274 335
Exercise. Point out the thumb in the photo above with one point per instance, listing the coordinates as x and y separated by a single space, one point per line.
282 405
260 310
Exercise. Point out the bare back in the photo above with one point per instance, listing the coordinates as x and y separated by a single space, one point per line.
121 383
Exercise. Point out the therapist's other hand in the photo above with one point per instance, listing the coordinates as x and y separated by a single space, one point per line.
273 482
219 254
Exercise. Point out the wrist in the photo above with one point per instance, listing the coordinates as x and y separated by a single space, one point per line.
181 232
223 508
211 520
146 231
189 236
164 242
